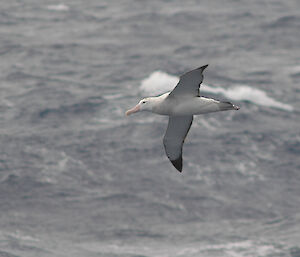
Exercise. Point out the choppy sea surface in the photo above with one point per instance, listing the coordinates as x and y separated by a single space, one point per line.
78 178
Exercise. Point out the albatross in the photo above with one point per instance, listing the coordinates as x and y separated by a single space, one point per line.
180 105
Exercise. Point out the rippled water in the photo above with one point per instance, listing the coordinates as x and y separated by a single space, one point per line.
78 178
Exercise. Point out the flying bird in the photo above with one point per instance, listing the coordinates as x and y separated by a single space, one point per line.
180 105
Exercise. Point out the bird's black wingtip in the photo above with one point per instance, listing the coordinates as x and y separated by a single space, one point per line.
203 67
177 163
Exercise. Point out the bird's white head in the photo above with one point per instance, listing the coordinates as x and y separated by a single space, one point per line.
145 104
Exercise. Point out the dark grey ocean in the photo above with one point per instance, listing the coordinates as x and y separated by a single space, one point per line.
79 179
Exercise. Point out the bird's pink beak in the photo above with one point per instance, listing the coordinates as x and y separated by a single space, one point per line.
133 110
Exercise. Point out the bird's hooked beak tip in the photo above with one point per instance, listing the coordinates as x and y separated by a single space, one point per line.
133 110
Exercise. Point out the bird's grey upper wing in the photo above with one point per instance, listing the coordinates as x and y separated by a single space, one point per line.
189 83
178 127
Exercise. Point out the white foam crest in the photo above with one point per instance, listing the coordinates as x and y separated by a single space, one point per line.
242 248
246 93
58 7
159 82
295 69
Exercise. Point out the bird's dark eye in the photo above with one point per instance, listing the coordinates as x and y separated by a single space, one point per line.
143 102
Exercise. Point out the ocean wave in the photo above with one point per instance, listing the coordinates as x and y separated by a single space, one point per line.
295 71
238 248
90 105
249 94
159 82
58 7
285 22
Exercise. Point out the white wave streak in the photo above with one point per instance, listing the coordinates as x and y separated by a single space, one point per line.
159 82
58 7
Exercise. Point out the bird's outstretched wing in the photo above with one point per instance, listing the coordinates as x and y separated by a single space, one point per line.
189 83
178 127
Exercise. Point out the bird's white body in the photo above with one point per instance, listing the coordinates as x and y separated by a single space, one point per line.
180 105
183 106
